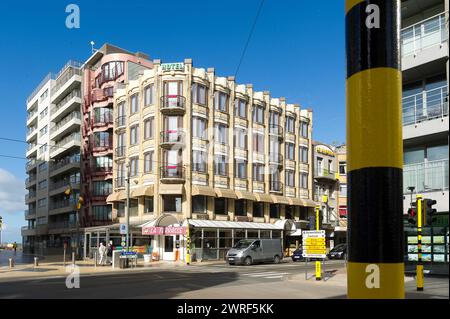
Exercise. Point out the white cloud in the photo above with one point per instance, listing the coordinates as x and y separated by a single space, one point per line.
12 193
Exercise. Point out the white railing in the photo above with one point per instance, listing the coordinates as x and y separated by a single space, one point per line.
427 176
70 138
424 34
425 106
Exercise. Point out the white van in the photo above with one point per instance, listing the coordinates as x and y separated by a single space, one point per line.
250 251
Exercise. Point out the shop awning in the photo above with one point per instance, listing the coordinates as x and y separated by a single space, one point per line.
245 195
121 196
112 197
227 193
203 190
309 203
167 189
280 199
263 198
232 225
295 201
142 191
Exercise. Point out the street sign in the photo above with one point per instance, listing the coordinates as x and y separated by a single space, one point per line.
123 229
314 244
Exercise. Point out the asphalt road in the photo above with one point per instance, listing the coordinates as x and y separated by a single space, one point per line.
161 283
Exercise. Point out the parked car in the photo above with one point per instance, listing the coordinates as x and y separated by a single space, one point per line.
338 252
250 251
298 254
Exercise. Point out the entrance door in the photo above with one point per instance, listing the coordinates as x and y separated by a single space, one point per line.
169 245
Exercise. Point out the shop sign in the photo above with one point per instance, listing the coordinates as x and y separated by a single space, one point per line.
175 230
152 230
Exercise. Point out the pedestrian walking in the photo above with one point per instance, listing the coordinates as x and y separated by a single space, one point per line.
15 247
102 253
109 252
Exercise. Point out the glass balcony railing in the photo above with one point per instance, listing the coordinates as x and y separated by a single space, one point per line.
74 93
427 176
62 143
423 34
67 75
64 121
425 106
68 160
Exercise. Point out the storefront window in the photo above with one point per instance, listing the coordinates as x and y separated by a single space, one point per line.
264 234
252 234
238 234
276 233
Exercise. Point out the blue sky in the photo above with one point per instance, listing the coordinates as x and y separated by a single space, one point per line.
296 51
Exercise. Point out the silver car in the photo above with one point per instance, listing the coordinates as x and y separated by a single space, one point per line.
250 251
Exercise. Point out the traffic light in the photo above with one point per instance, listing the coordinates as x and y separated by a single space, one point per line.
412 214
429 211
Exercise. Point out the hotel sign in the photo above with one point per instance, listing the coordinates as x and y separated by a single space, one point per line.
172 66
170 230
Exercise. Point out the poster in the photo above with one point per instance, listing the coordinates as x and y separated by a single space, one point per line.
412 239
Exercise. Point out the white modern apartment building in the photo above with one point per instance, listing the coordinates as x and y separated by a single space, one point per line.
53 153
425 68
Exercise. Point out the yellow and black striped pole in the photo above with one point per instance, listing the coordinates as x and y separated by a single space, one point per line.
318 265
375 150
188 245
419 268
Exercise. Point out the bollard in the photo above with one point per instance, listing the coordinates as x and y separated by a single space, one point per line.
95 259
73 258
11 263
36 261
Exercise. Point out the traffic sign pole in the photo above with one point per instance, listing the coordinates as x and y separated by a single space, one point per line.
318 269
419 268
375 150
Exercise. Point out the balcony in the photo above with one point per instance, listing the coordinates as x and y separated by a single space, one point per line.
423 35
62 225
324 174
276 159
31 164
30 213
275 187
173 104
28 231
172 174
276 130
66 143
31 196
69 78
119 182
65 164
30 181
171 138
32 116
120 151
121 122
103 120
61 186
101 169
70 123
71 102
31 133
62 206
31 149
426 177
425 106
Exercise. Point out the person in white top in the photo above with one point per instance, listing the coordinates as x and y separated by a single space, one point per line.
102 253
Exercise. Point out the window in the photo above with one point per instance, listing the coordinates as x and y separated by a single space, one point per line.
134 166
148 162
42 167
103 115
240 108
102 139
342 168
43 113
220 165
258 114
42 202
274 211
304 129
120 209
44 95
102 212
103 163
120 174
258 172
290 180
240 138
43 130
134 134
221 101
290 124
240 168
148 205
240 207
258 209
303 154
149 125
43 149
343 190
199 161
102 188
290 151
149 94
304 180
172 203
121 111
199 204
42 184
134 207
221 206
221 134
199 128
134 103
199 93
258 143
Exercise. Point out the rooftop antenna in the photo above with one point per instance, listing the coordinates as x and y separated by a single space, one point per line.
92 46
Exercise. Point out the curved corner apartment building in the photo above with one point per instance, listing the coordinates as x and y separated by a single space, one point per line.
204 151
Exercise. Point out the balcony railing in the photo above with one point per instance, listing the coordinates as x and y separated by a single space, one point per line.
64 162
31 146
423 34
30 179
119 181
276 158
103 119
66 77
428 176
74 137
64 182
30 212
172 136
172 171
275 186
64 121
173 102
31 114
276 129
30 163
71 203
324 172
425 106
121 121
74 93
31 130
62 225
30 195
120 151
